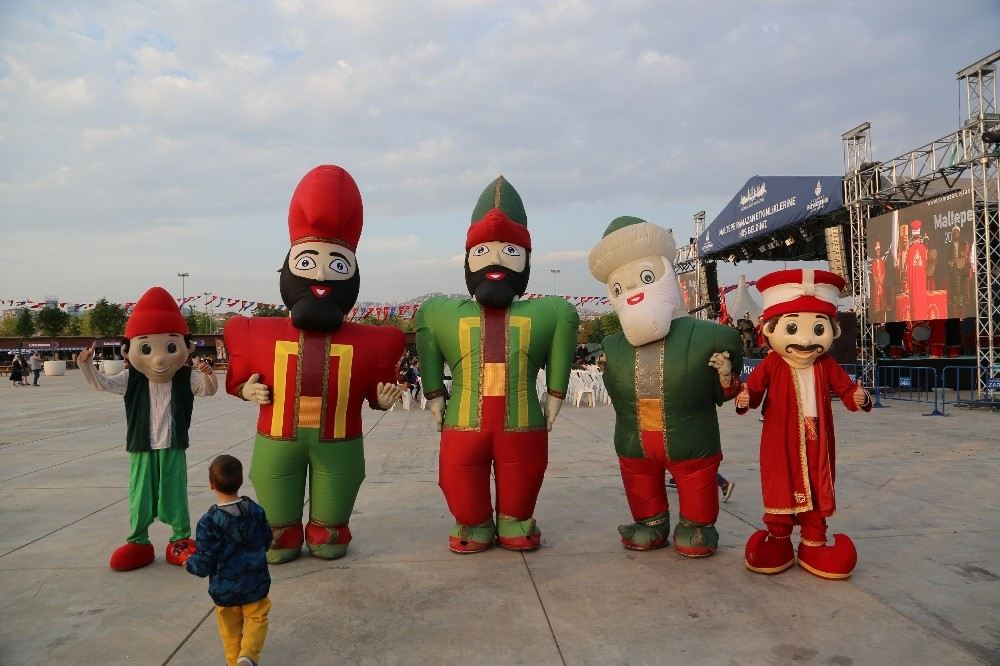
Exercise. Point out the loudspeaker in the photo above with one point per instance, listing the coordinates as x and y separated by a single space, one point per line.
836 256
710 284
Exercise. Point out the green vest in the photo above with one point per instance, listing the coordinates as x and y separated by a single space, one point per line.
540 333
137 410
690 388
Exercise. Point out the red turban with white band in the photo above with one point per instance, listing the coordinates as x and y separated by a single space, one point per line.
800 290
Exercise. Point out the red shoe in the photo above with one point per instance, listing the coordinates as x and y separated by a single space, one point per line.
768 554
834 562
530 542
327 541
178 551
132 556
286 544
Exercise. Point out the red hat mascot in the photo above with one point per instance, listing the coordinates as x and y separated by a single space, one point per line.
159 389
311 372
495 346
797 463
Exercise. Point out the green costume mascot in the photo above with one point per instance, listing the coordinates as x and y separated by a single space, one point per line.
159 389
311 372
495 347
666 373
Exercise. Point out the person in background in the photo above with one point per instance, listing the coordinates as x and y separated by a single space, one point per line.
16 370
35 362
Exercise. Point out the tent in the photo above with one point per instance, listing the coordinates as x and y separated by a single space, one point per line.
741 301
776 218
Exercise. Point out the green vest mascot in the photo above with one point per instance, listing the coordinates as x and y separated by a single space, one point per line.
159 389
495 347
666 374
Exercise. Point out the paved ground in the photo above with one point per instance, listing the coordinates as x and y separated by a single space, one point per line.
918 494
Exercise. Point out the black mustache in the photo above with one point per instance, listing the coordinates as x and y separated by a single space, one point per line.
804 348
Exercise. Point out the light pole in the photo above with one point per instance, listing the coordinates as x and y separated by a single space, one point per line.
555 280
183 295
209 321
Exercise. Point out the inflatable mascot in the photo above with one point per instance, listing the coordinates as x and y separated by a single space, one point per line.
666 373
797 468
310 373
159 389
495 347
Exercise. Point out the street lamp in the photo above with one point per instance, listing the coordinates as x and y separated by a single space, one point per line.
209 320
183 295
555 280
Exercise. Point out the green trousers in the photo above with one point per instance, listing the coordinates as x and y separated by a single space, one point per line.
278 472
157 486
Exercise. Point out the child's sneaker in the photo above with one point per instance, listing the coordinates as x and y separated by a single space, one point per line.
245 661
727 490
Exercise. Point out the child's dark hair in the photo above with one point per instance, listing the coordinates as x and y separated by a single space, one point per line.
226 474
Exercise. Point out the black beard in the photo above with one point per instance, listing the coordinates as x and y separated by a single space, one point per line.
318 314
496 293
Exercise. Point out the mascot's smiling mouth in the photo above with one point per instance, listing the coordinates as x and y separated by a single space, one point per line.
496 276
635 300
320 291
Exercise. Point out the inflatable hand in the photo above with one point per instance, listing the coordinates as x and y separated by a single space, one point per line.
388 394
551 409
436 405
255 391
720 361
860 395
743 399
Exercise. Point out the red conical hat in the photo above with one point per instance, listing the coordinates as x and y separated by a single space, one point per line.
155 312
326 206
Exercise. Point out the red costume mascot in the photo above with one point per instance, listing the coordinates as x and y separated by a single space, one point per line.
310 373
797 462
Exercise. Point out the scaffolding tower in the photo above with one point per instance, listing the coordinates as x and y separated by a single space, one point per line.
871 186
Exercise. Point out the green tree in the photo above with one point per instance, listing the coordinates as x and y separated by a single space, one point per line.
601 327
75 326
265 310
51 320
107 318
199 323
24 327
7 322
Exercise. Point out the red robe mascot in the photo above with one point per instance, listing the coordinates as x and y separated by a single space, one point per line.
797 449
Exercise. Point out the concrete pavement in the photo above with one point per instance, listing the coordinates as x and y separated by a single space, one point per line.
918 495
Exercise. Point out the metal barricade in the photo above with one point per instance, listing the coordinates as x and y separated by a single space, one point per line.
960 386
910 383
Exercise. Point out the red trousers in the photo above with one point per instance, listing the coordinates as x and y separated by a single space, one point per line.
812 524
518 460
646 490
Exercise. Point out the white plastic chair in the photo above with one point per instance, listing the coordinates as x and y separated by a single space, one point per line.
579 388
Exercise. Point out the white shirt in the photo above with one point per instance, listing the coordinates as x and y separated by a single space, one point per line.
807 390
160 421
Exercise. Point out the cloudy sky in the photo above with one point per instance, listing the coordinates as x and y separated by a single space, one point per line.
144 139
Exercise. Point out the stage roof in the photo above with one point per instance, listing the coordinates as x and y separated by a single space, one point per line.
766 205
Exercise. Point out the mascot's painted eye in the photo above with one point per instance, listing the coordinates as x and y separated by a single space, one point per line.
340 266
512 251
172 348
616 290
819 329
647 277
145 348
480 250
791 328
305 263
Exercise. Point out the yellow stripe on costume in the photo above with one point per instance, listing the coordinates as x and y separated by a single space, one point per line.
465 326
346 355
523 326
283 349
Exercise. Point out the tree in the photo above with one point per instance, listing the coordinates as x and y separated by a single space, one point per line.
199 322
107 318
24 327
51 320
75 326
601 327
265 310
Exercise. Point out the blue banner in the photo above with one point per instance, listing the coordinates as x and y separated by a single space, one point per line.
767 204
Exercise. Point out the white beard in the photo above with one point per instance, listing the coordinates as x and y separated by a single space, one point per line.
650 319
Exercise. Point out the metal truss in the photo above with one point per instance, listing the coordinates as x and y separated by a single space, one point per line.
920 174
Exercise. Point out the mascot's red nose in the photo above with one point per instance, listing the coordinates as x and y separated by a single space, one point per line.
635 300
320 291
495 276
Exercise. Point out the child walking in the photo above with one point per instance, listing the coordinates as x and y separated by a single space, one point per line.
232 540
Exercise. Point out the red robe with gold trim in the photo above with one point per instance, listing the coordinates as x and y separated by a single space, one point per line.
305 391
785 469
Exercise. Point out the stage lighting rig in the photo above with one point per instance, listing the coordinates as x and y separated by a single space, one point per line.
790 241
865 166
992 136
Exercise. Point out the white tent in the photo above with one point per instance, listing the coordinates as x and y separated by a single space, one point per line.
740 301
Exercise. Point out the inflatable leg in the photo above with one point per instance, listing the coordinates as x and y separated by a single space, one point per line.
698 495
646 534
278 473
520 462
471 539
336 471
646 491
464 478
